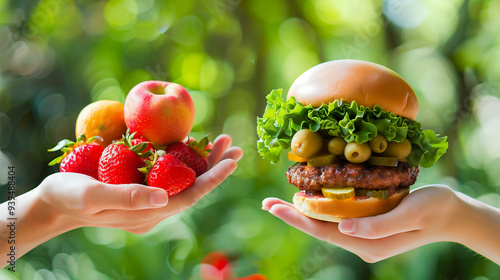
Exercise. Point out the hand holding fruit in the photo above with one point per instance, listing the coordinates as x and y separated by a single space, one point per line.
154 150
160 115
80 200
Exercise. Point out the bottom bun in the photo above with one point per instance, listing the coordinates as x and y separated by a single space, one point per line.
322 208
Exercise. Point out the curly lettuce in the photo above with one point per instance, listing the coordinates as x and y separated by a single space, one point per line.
283 118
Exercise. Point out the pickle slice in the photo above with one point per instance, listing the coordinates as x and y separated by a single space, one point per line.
322 160
338 193
383 161
382 194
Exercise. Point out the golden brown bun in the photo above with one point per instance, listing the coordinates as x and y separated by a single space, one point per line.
367 83
322 208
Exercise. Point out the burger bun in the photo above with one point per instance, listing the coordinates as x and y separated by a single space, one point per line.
322 208
367 83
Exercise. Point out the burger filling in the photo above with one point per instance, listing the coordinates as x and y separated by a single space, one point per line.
363 179
346 151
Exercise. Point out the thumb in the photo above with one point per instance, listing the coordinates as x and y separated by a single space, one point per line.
130 196
380 226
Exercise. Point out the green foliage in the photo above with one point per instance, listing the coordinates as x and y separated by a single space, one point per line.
56 56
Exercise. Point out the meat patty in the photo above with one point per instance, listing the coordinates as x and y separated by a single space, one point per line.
355 175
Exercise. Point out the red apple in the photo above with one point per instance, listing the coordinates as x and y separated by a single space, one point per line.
161 112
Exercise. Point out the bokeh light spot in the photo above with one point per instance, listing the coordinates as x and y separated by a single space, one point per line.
295 32
50 105
186 31
119 13
110 237
204 108
406 13
296 62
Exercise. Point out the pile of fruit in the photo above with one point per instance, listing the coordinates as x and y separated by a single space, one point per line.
141 141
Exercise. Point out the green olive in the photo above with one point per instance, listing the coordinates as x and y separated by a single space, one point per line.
306 143
398 150
336 146
357 153
378 144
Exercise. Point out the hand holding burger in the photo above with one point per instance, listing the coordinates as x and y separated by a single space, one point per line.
428 214
350 125
352 131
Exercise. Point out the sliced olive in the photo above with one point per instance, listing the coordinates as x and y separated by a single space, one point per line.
382 194
338 193
378 144
322 160
357 153
383 161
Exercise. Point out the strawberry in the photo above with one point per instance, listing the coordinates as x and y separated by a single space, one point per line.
170 174
216 266
192 154
81 156
120 162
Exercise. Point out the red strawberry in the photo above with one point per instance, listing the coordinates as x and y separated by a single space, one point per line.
216 266
170 174
81 156
120 162
192 154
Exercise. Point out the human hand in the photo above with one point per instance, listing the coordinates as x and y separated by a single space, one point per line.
429 214
79 200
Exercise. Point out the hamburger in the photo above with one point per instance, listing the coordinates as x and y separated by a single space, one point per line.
350 128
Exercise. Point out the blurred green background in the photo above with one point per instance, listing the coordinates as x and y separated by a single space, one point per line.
56 56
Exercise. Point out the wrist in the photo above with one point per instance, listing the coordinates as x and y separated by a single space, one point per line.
461 212
47 218
471 216
480 224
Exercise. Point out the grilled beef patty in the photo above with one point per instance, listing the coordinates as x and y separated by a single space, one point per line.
355 175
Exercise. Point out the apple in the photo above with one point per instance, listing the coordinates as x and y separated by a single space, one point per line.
162 112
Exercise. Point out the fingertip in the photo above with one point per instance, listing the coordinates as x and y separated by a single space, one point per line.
223 140
158 198
272 209
347 226
278 210
238 153
222 136
267 203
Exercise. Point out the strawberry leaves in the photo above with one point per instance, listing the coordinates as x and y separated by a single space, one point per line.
200 148
139 149
66 146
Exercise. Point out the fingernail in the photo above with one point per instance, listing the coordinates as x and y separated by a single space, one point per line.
346 226
158 198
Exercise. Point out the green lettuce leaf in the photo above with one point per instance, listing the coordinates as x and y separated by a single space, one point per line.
283 118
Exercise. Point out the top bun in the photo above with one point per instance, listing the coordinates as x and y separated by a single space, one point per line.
367 83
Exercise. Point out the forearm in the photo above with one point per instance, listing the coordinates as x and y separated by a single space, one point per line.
32 224
480 228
